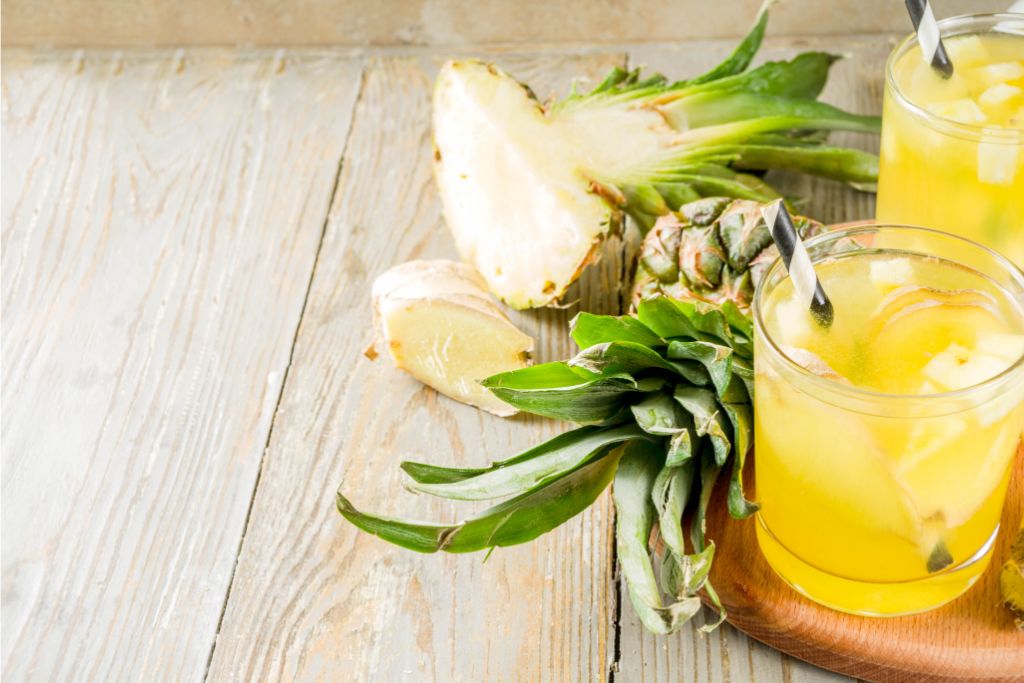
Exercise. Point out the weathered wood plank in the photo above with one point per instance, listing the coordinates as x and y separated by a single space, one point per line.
161 218
105 23
315 599
855 84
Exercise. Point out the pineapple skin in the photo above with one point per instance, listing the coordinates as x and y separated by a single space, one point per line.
712 250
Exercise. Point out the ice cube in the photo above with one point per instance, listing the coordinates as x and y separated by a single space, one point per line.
812 362
963 110
997 158
796 326
1009 347
890 274
958 367
967 51
998 95
1000 72
928 437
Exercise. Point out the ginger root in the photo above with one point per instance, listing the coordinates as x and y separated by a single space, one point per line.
441 326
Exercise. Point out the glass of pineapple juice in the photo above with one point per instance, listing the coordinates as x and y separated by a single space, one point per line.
952 151
884 443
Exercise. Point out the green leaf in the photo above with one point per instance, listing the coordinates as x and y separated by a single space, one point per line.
552 460
717 359
634 518
588 329
681 446
707 418
612 359
663 316
741 415
669 493
684 575
658 414
514 521
709 470
802 77
743 54
852 166
561 392
424 473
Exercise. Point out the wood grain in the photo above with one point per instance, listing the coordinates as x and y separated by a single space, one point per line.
970 639
107 23
315 599
161 216
855 85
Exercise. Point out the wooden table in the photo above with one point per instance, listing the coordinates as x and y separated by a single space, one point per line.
188 243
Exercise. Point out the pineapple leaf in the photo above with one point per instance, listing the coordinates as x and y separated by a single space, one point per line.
687 574
670 493
514 521
742 418
802 77
612 359
717 359
561 392
851 166
743 54
707 418
552 460
634 519
588 329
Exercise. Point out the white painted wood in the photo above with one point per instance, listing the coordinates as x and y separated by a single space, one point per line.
315 599
161 216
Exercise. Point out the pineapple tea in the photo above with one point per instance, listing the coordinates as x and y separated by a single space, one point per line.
952 151
884 442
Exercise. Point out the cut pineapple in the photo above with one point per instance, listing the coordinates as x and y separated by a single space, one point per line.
1001 72
531 190
998 95
964 110
997 158
958 367
441 326
890 274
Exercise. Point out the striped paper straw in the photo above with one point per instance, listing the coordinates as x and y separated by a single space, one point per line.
794 256
928 36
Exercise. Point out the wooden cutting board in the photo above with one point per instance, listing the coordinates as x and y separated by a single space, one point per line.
972 638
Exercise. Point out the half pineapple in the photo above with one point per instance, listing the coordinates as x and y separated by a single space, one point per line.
530 191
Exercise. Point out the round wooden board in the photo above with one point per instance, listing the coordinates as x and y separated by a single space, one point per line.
972 638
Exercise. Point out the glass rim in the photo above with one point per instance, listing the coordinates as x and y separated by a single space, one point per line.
992 134
846 390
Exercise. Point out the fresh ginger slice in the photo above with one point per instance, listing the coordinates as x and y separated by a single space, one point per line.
440 325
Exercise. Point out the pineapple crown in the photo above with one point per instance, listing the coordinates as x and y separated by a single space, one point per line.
711 250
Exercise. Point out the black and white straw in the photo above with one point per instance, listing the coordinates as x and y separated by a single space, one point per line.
928 36
794 256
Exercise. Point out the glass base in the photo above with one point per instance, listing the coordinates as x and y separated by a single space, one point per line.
867 598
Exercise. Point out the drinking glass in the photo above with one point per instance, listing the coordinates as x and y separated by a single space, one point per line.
938 169
876 503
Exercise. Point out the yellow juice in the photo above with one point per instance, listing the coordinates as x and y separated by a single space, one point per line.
884 443
952 150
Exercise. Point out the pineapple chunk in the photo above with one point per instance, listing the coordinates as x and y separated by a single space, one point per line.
889 274
998 95
997 160
796 327
1001 72
963 110
958 367
966 51
1008 347
441 326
